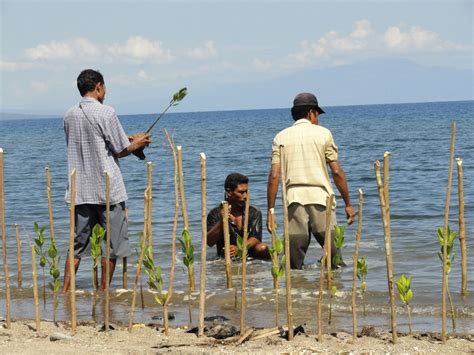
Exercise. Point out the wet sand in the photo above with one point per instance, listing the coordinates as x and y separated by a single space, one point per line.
22 338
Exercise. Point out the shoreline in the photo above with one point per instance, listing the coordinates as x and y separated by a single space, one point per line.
22 338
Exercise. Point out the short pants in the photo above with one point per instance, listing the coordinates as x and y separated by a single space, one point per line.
87 216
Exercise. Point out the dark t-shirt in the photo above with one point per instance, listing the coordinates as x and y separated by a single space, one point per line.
254 227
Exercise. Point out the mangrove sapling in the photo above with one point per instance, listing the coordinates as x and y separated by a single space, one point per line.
406 294
336 262
362 271
155 281
39 241
55 284
278 267
98 233
449 262
188 261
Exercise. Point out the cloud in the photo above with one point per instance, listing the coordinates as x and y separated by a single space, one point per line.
140 49
38 87
6 65
334 48
76 48
207 51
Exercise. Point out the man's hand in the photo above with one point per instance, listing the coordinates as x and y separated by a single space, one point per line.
233 250
269 222
350 214
140 140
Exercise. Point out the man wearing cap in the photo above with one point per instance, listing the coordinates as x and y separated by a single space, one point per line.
308 150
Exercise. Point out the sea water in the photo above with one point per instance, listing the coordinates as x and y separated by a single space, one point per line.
417 136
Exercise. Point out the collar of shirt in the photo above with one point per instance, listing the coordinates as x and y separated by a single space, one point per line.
302 121
89 99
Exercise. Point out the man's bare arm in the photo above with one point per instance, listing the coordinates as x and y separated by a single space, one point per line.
341 183
272 190
214 233
138 141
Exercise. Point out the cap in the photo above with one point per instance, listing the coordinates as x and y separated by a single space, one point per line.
307 99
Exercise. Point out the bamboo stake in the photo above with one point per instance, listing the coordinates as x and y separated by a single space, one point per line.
324 260
35 288
4 243
243 301
286 236
140 262
462 230
328 246
202 295
388 251
275 262
445 245
50 203
225 226
145 231
173 237
150 202
386 161
72 270
185 213
107 265
125 261
18 255
354 269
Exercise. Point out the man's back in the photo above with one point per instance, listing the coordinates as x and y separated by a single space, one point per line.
94 137
307 148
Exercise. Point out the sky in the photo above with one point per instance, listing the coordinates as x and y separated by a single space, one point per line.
234 55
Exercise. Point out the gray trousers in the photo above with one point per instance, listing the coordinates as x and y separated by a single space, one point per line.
305 220
87 216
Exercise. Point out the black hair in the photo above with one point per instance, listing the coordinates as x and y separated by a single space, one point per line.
235 179
298 112
88 79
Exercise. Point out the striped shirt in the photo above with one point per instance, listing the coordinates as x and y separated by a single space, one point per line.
93 140
308 148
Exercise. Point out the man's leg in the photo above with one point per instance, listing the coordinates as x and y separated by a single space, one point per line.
119 244
103 280
317 221
299 234
84 218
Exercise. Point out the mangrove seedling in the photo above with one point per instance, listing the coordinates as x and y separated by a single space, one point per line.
39 241
362 271
336 262
98 233
451 236
278 269
188 261
155 281
406 294
55 284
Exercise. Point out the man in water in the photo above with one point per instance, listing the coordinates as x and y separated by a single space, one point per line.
235 189
95 141
308 149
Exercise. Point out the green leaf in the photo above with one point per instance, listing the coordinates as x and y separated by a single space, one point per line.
408 296
36 227
186 236
333 291
240 242
37 251
279 246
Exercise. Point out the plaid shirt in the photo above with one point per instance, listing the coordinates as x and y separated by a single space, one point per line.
92 144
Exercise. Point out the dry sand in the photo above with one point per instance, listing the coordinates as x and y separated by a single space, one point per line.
22 338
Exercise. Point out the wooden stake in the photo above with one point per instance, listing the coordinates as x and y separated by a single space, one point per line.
185 212
202 294
355 258
275 262
35 288
18 254
386 166
50 203
388 251
324 260
286 236
4 243
150 202
107 257
125 261
328 244
72 270
225 227
140 262
243 301
173 236
444 284
462 230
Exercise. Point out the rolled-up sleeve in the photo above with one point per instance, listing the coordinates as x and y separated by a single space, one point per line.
114 134
275 152
331 151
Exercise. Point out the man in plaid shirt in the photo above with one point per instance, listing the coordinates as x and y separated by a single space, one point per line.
95 142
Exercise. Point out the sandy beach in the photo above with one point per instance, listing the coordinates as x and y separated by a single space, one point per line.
89 338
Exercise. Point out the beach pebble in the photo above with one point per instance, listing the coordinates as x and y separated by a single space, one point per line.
59 336
160 318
